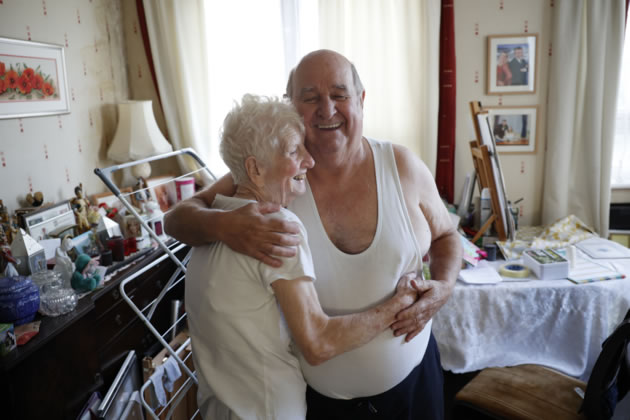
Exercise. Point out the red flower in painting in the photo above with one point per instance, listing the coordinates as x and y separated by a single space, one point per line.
12 78
2 69
28 73
24 84
48 89
37 81
3 85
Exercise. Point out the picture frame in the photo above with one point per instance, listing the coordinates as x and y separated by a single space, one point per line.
514 128
33 79
512 63
162 190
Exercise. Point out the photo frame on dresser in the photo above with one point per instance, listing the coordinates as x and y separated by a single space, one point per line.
33 81
512 64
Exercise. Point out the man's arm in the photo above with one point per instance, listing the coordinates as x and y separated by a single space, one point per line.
321 337
445 252
246 230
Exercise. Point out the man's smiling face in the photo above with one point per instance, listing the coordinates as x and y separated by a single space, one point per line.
325 95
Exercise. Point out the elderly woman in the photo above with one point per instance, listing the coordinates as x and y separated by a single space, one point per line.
242 313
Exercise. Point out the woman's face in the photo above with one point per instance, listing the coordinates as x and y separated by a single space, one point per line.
502 58
285 177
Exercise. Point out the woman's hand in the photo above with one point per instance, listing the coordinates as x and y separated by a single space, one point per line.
432 295
249 230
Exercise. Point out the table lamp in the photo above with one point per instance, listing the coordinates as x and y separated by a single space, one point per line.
137 137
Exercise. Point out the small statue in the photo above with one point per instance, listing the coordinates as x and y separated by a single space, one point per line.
140 196
80 205
85 278
4 239
11 228
4 213
35 200
63 263
93 216
7 262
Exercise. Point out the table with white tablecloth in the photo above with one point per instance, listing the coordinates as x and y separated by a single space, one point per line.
555 323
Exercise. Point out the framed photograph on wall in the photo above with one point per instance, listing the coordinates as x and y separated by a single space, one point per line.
512 64
32 79
514 128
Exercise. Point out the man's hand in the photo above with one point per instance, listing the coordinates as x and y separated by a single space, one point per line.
248 230
432 295
406 291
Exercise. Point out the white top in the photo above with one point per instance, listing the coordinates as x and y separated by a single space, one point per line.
241 344
352 283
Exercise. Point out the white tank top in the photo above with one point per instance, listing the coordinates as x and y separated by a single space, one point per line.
348 283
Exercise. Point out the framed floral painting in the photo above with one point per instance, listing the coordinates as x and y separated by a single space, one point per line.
32 79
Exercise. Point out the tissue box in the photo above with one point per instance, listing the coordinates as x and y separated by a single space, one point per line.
7 339
546 264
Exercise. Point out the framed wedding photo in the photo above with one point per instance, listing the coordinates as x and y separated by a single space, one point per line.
32 79
512 64
514 128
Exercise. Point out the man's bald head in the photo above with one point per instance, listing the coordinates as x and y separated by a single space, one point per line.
323 55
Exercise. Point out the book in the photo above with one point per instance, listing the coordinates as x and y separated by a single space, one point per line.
472 253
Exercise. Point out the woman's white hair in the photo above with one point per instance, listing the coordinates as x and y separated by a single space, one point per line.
257 127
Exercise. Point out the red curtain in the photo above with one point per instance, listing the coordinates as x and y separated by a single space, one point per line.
445 167
142 21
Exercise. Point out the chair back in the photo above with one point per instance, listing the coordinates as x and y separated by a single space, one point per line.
610 379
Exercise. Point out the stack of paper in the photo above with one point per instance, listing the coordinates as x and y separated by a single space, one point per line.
482 274
587 271
603 248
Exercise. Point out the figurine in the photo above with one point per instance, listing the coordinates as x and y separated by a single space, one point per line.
7 262
63 264
85 278
35 200
140 196
4 239
80 205
4 213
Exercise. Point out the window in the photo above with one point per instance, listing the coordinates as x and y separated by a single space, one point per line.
621 149
251 52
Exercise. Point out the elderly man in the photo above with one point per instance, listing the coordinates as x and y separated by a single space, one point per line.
370 208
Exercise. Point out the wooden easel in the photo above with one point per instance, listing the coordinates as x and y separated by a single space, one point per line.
483 165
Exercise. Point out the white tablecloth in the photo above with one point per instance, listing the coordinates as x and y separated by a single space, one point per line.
554 323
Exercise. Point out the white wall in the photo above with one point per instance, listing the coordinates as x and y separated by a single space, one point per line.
53 154
474 21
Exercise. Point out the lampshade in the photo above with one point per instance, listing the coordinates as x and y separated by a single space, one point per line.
137 135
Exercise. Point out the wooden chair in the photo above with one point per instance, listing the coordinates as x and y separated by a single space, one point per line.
536 392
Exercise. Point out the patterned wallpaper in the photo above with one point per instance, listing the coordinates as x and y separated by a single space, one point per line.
53 154
474 21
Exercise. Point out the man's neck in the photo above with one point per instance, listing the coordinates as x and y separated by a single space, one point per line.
340 165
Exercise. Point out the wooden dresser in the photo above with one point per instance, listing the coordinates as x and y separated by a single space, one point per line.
53 375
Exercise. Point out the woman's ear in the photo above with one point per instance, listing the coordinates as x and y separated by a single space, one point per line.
255 172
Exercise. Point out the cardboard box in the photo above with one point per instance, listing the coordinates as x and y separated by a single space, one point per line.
546 264
7 339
